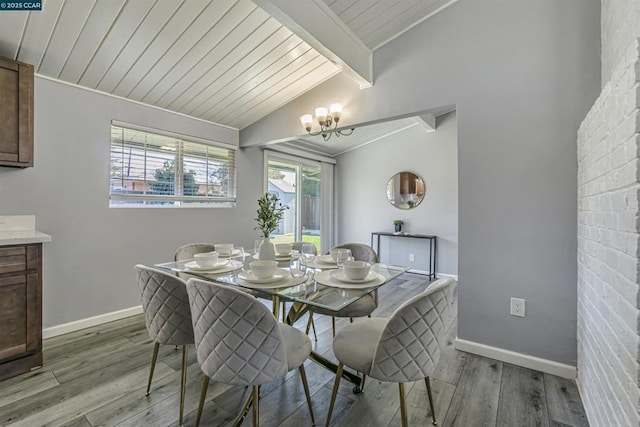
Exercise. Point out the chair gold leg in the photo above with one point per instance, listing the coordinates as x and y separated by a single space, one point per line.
336 384
156 346
276 306
183 380
203 395
309 321
305 385
313 325
333 326
403 406
433 411
256 406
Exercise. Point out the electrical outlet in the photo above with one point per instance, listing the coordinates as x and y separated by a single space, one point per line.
517 307
412 258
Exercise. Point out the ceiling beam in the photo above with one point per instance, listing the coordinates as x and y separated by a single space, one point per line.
427 121
315 23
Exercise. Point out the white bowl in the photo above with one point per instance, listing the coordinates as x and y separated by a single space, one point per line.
224 248
284 248
206 259
263 269
356 270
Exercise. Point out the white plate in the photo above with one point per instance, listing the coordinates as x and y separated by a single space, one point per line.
285 257
234 253
325 278
231 265
279 257
342 276
293 251
192 265
248 276
285 282
321 265
326 259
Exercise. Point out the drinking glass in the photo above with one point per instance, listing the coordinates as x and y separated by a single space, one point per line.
343 255
309 251
256 246
297 266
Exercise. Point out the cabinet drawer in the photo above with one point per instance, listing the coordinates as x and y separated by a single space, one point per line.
13 259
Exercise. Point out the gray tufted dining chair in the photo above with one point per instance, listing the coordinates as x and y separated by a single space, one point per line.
240 342
186 252
365 305
167 315
404 348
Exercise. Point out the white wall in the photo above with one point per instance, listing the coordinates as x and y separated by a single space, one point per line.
608 234
362 206
88 268
522 75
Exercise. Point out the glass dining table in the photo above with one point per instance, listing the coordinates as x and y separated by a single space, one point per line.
318 287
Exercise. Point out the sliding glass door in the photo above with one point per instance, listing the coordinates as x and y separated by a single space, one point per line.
296 182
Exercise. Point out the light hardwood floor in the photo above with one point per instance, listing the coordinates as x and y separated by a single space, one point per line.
97 377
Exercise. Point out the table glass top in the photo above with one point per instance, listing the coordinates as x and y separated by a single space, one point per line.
309 292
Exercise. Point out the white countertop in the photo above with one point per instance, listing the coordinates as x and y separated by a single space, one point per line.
22 237
20 230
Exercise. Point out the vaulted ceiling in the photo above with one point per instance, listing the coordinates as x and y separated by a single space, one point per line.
230 62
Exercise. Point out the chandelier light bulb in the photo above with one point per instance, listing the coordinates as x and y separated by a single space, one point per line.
336 111
321 114
307 121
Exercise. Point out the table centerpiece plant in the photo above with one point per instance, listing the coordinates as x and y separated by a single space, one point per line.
270 213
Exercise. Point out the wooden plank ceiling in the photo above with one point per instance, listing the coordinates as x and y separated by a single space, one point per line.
376 22
225 61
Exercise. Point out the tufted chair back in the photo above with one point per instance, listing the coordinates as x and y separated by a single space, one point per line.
360 252
297 246
409 347
166 306
188 251
238 340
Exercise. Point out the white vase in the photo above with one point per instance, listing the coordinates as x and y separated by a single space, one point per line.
267 250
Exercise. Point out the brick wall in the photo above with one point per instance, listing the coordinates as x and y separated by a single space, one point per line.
608 247
620 24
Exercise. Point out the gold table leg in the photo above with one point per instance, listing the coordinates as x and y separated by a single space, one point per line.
245 409
297 310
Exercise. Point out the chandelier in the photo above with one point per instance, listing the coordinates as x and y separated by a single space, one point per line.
328 119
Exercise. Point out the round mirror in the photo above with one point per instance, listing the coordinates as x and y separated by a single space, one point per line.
405 190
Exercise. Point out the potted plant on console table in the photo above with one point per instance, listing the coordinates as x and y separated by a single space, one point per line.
398 223
270 212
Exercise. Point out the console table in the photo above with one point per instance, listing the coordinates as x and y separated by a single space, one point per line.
433 246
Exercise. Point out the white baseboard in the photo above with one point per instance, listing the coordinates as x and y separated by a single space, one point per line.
438 275
524 360
452 276
77 325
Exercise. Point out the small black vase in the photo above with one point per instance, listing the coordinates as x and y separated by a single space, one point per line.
398 227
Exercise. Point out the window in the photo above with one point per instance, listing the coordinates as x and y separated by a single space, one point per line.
156 168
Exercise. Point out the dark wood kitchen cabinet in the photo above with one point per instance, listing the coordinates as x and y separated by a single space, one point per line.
16 114
20 309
